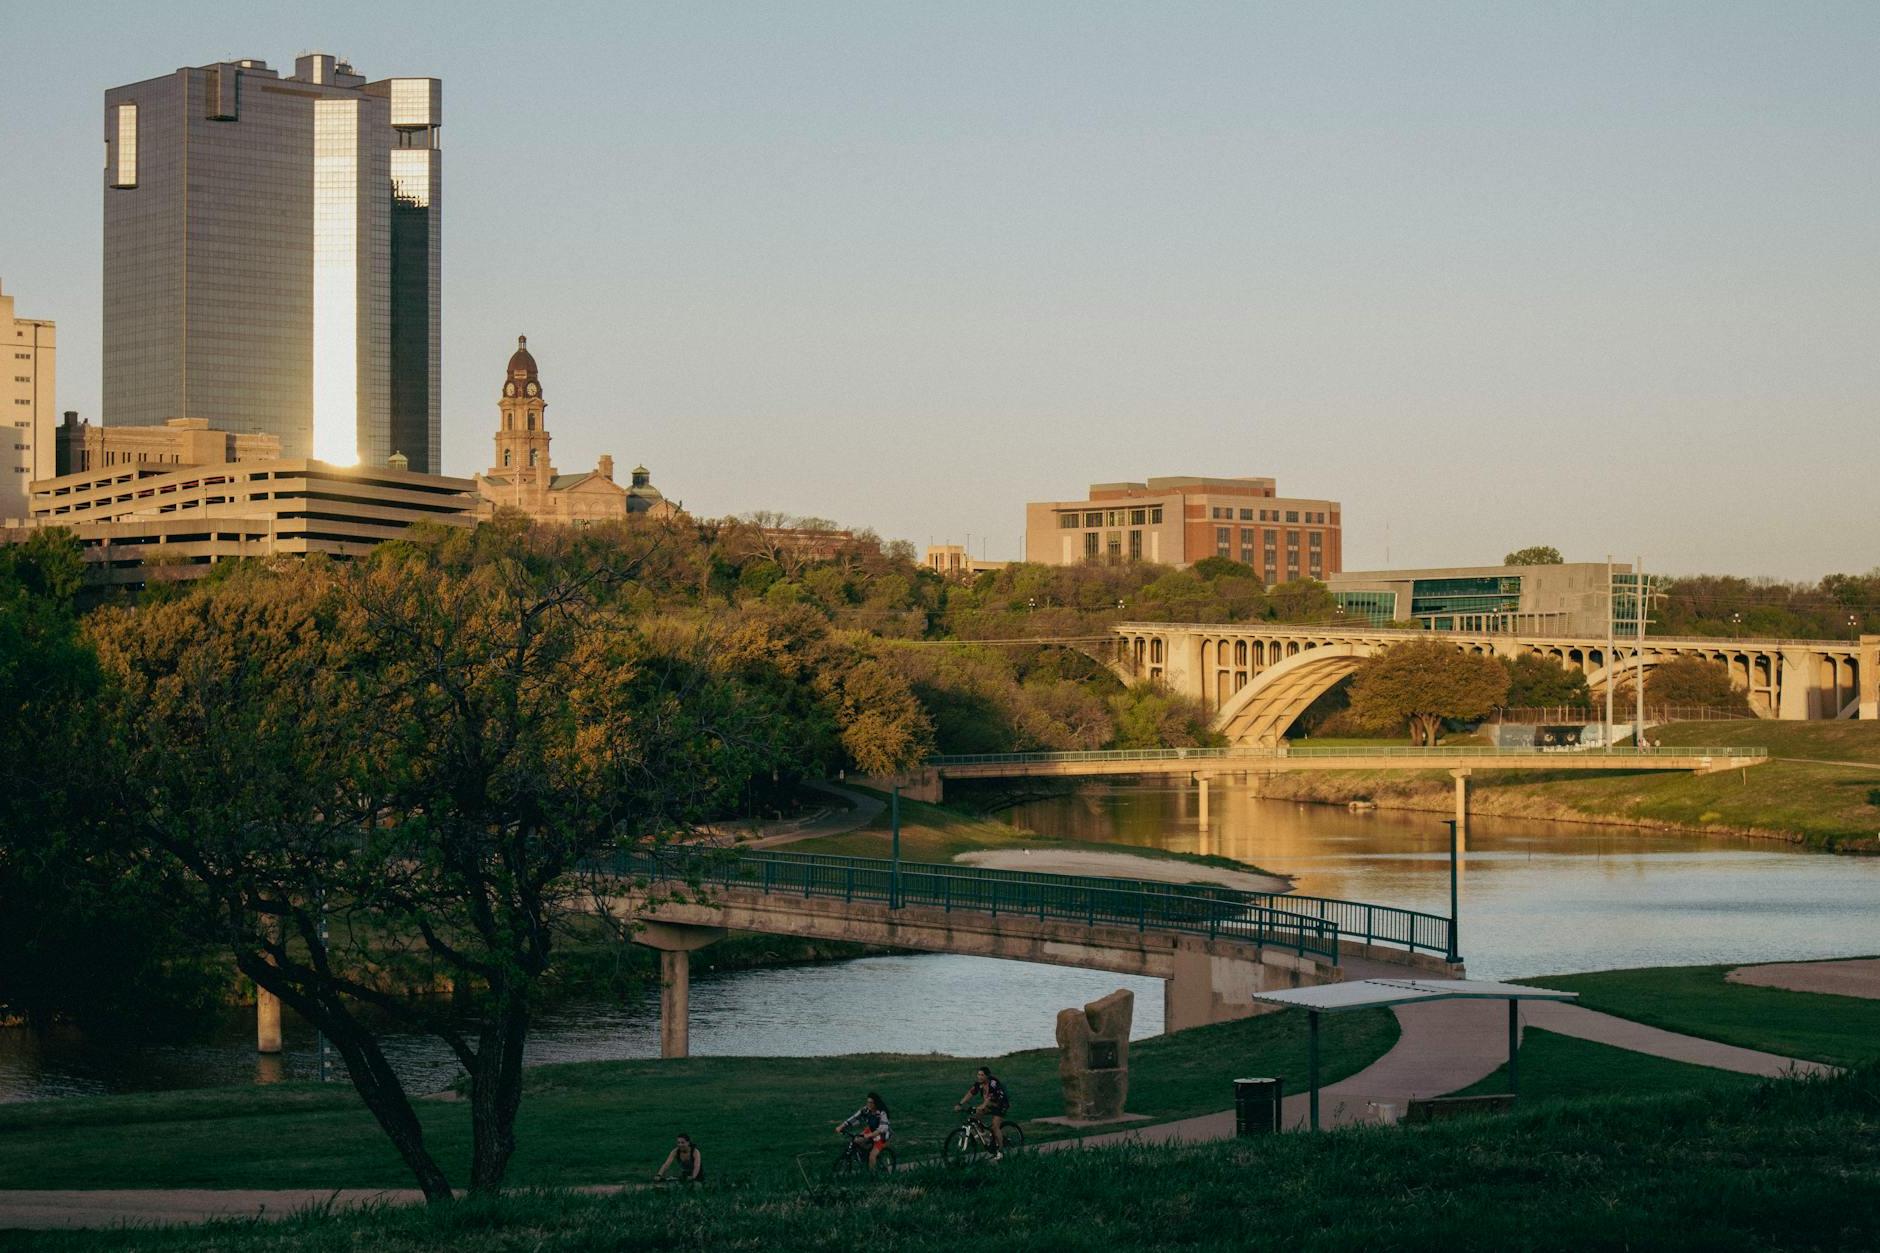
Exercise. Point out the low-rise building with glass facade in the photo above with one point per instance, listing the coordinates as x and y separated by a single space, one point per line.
1569 599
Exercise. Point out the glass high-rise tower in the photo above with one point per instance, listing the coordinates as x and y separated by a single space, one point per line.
272 257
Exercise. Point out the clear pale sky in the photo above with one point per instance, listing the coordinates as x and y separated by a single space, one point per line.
1605 276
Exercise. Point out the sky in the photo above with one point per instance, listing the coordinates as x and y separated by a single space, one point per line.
1601 276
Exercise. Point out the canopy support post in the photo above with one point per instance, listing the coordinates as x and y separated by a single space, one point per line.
1514 1047
1312 1064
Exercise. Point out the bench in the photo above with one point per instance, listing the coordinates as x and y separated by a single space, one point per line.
1443 1108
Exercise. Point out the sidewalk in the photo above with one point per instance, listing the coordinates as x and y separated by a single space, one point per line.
1446 1046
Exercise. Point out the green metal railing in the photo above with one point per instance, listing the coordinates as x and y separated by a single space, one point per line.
1474 752
1301 924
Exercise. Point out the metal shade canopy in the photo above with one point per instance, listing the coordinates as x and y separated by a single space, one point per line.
1336 998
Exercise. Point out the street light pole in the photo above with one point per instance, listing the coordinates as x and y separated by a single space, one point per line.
894 827
1455 950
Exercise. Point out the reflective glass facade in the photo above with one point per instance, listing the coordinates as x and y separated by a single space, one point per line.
254 272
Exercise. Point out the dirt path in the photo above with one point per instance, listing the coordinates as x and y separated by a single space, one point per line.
1860 977
1122 866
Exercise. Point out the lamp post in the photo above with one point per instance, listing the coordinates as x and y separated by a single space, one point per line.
894 828
1455 954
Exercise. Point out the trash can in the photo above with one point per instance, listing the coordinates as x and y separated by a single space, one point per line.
1256 1106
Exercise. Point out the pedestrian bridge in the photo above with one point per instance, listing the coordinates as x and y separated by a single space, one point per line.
1213 947
1255 679
1202 764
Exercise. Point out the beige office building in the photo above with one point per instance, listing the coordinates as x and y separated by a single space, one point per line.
140 517
28 384
1574 598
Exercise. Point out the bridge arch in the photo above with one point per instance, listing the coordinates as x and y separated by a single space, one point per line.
1260 712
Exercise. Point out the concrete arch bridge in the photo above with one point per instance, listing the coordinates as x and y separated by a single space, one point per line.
1256 678
1212 947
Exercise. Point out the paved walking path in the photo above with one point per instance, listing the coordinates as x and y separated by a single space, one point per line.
1445 1046
861 810
1859 977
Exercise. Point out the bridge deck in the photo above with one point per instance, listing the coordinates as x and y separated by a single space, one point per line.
1255 759
1307 926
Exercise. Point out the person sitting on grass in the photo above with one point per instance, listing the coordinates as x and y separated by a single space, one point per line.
869 1125
685 1160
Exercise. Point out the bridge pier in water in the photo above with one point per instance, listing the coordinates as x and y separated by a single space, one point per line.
267 1021
675 943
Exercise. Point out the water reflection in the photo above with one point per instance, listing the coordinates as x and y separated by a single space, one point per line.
1537 897
966 1006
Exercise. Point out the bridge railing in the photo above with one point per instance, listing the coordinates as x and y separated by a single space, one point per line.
1218 913
1253 753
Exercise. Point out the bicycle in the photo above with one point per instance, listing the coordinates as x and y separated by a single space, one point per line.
973 1138
854 1157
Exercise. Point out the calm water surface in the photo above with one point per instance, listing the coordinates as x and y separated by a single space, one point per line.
1537 898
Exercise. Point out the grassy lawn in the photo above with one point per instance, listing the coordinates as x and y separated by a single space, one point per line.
1789 1166
1697 1000
602 1122
1562 1067
1802 795
939 833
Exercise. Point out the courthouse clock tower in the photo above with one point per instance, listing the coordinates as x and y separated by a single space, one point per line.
522 438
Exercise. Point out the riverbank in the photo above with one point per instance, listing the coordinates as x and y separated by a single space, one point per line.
1822 788
940 833
1779 1165
607 1122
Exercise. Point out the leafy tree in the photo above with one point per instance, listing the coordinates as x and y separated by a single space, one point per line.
82 936
1423 682
414 757
1149 715
1535 681
1533 555
1301 600
1694 681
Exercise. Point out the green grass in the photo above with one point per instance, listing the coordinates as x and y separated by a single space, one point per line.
940 833
1803 796
1776 1166
1560 1067
1697 1000
600 1122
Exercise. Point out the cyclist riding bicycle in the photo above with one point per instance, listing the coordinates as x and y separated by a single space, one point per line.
993 1103
869 1126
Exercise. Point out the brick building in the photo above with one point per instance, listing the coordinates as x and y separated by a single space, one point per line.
1180 520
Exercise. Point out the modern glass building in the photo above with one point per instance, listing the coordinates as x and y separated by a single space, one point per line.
1570 599
272 257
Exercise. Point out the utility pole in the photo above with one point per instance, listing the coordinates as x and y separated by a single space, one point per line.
1639 586
1612 662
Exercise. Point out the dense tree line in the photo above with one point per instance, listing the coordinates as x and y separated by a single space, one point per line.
1839 607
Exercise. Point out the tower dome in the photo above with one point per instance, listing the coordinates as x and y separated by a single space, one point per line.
521 364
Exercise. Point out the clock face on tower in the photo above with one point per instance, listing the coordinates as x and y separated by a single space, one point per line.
534 388
509 389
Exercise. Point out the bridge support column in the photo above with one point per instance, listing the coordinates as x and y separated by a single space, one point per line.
675 943
1201 786
1462 803
267 1021
1867 674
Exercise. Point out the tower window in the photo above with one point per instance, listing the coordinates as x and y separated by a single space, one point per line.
507 456
531 457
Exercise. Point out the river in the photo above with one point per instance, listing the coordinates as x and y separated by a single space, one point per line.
1537 898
